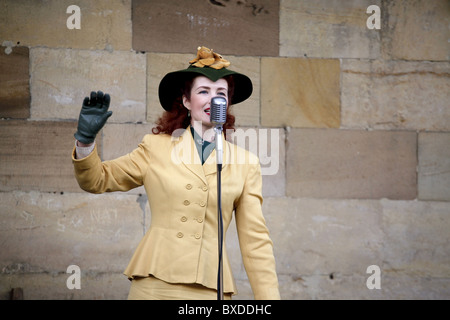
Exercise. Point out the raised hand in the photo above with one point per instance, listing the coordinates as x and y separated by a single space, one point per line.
93 116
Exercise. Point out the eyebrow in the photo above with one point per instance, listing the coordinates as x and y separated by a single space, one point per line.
206 87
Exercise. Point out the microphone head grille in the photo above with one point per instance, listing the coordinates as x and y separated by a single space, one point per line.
218 110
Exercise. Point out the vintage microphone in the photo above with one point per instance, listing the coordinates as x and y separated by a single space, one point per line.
218 118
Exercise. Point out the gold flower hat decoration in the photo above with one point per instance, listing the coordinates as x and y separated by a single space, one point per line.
208 58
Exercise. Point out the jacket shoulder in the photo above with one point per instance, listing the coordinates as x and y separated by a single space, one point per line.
151 139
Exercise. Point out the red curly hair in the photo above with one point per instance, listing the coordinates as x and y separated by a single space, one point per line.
178 117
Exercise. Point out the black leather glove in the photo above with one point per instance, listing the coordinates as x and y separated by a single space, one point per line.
93 116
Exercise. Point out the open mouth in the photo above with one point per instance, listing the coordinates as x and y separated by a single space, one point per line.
207 111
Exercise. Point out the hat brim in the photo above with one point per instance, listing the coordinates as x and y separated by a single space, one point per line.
170 86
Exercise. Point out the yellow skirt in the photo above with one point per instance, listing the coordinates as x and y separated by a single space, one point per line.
151 288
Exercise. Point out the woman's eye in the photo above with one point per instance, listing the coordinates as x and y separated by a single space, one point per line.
222 94
203 92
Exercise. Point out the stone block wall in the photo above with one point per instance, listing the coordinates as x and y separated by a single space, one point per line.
351 124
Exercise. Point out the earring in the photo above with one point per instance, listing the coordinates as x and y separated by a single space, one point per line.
189 113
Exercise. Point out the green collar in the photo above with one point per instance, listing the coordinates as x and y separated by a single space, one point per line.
204 148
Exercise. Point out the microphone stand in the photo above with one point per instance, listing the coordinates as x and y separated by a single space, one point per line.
219 156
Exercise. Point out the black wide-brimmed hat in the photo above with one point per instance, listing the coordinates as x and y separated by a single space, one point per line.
209 64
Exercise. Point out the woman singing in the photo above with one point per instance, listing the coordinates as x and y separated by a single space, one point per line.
178 256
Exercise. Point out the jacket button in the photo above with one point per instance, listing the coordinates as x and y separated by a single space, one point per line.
186 202
200 220
179 235
202 203
189 186
197 236
183 219
205 188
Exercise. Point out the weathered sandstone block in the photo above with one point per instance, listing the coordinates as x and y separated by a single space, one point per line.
300 92
395 95
327 29
228 27
62 78
104 24
332 163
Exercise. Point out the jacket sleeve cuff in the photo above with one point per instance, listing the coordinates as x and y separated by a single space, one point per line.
86 162
83 152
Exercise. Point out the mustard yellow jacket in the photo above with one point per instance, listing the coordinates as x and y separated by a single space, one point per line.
181 243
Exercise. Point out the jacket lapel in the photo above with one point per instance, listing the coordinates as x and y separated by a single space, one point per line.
185 152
